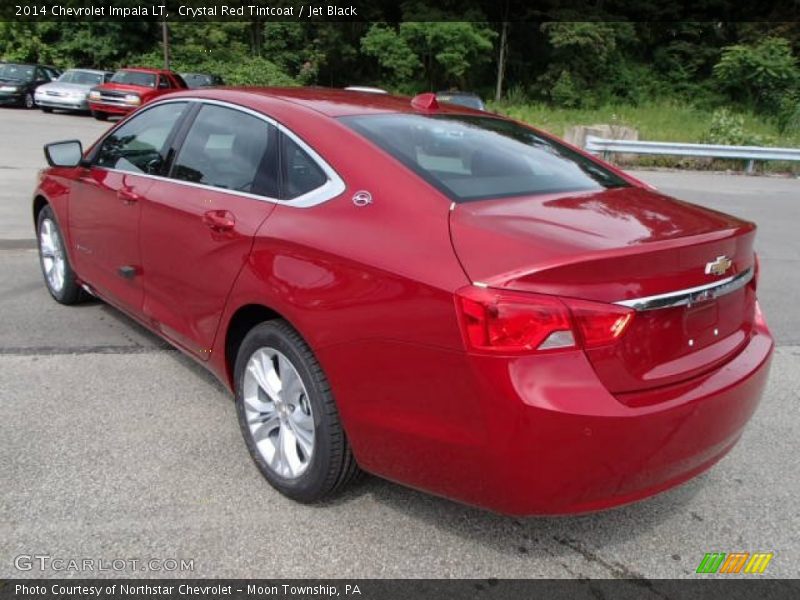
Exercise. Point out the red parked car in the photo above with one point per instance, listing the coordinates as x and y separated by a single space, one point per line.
439 296
129 88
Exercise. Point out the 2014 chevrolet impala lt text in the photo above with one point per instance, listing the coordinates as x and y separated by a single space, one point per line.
432 294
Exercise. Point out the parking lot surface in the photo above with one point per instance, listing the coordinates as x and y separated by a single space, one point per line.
115 446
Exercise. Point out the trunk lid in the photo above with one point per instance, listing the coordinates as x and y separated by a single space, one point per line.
620 245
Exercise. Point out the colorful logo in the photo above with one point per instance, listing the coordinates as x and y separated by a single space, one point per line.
719 562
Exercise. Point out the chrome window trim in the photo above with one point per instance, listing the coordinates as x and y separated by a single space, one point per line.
332 188
690 296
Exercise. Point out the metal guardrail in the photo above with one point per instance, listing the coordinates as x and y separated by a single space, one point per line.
751 154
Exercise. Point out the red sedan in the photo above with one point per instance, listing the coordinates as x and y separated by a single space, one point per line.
436 295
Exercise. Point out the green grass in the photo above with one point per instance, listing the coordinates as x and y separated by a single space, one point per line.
662 122
665 121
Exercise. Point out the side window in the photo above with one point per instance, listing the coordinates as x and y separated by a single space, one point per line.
163 82
139 146
229 149
300 173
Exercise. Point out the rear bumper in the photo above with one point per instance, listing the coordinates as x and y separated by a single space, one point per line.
535 435
111 109
571 447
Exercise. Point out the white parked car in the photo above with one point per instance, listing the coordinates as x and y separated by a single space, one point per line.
71 90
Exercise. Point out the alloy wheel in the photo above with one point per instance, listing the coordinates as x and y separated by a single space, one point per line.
278 413
52 252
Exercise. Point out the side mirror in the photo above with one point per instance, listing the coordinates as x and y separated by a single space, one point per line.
64 154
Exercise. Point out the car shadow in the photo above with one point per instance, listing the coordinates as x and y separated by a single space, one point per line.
156 342
535 536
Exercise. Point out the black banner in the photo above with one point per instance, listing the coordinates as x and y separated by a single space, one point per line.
414 589
394 10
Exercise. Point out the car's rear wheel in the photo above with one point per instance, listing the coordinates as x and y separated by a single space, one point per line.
58 274
100 116
28 101
288 416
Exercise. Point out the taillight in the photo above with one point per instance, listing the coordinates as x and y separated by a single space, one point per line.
599 324
501 321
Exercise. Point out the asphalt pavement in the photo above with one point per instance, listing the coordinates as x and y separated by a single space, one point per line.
115 446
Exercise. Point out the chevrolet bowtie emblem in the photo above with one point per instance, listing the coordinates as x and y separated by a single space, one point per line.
718 266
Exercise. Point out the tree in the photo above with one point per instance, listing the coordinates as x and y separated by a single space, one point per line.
446 51
759 74
502 57
392 52
584 55
105 44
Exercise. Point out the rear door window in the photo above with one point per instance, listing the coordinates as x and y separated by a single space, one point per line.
300 173
229 149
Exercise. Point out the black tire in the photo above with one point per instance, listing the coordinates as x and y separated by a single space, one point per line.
28 102
100 116
332 464
70 292
46 109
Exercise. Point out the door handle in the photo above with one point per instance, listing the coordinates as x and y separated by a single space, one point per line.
128 196
219 220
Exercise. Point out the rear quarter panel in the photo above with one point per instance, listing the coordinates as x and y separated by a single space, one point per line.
371 290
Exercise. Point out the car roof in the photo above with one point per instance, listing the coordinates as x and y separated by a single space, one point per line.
98 71
328 101
147 70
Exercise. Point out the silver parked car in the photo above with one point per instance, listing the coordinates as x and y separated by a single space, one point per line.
71 90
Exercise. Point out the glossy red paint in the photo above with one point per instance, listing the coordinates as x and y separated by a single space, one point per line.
166 82
372 290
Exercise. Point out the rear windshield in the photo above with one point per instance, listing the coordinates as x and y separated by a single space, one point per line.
134 78
474 158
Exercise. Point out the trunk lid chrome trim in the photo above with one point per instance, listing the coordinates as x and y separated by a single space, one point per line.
690 296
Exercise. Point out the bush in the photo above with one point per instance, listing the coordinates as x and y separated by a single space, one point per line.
728 129
247 70
564 92
516 95
789 114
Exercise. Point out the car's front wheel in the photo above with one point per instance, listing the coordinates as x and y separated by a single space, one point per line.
288 416
100 116
58 274
47 109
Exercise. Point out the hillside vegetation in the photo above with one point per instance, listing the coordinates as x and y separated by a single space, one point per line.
712 81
